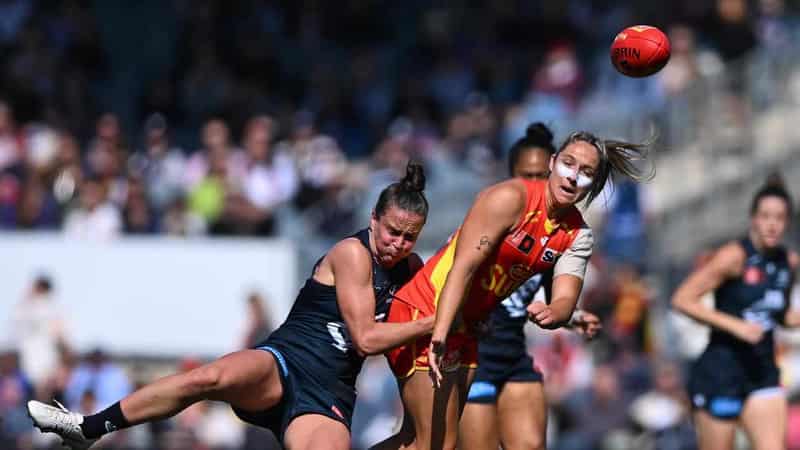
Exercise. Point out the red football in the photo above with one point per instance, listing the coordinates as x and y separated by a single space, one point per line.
640 51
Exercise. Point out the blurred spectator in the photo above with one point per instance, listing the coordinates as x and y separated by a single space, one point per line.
565 364
38 331
560 75
776 30
178 220
596 413
15 390
138 216
10 141
38 208
259 322
664 411
95 217
106 157
97 374
628 322
159 164
683 68
269 181
731 29
69 169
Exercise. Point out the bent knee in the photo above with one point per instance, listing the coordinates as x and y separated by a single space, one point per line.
526 443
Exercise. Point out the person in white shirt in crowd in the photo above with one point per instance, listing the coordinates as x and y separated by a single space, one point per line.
216 137
39 332
270 180
95 218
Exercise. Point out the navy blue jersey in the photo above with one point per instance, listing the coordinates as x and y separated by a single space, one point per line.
760 295
315 335
730 369
504 344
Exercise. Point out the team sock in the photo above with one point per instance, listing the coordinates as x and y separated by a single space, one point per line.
106 421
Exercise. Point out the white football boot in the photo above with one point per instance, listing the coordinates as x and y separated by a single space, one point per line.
61 421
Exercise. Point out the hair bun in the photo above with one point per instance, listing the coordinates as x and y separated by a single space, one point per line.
415 177
539 132
775 180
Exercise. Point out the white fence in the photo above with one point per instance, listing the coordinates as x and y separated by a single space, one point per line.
154 296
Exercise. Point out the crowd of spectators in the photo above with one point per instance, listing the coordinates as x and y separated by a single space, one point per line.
206 117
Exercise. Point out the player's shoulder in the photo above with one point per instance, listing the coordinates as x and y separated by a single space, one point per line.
511 188
349 250
505 196
731 256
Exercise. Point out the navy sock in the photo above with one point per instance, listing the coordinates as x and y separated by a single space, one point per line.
106 421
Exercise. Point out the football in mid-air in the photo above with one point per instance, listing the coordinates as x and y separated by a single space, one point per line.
640 51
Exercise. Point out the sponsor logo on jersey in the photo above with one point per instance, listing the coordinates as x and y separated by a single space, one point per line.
523 242
783 279
549 255
699 400
753 275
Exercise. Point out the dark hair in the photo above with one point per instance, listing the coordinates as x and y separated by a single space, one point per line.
616 158
407 194
773 187
537 135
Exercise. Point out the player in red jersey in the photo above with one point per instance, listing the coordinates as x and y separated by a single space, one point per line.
514 230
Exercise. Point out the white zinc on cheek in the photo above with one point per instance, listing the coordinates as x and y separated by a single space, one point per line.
581 180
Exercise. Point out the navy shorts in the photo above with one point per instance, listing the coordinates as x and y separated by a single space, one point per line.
720 385
487 383
304 392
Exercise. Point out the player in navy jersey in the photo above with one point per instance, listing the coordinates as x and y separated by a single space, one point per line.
300 382
736 378
506 403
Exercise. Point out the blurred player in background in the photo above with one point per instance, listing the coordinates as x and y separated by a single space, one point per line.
514 230
736 378
300 382
506 401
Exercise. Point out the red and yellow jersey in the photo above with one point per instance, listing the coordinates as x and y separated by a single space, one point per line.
532 247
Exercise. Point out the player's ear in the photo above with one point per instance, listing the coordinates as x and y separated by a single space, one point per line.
373 221
552 164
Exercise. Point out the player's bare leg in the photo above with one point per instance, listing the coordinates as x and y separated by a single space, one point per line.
764 419
522 416
246 379
713 433
315 431
436 411
478 427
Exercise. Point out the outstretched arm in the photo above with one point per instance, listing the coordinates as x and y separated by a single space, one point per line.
352 269
726 263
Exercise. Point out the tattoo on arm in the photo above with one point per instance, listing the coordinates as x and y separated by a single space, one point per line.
483 243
